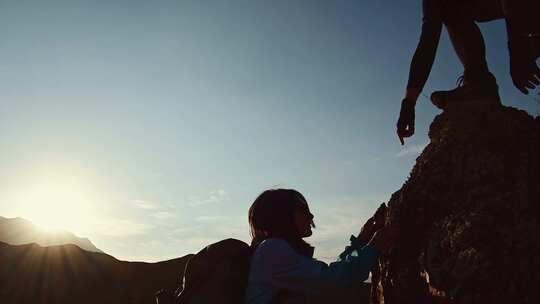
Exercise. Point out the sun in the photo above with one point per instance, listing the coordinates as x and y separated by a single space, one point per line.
58 206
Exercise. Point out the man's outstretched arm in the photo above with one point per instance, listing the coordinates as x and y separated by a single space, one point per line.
421 65
423 58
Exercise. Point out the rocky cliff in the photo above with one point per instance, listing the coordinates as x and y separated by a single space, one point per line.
469 213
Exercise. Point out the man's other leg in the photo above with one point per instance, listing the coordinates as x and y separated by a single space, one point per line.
522 16
487 10
468 42
523 27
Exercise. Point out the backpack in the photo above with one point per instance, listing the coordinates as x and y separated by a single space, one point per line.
216 274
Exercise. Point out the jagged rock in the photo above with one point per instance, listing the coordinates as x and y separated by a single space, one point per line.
468 213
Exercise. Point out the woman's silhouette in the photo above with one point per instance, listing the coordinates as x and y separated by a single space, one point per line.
282 267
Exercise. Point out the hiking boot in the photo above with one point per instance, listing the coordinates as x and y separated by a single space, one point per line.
467 90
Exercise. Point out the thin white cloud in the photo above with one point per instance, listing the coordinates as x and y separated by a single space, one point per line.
163 215
412 150
211 218
336 224
185 230
212 198
223 227
211 232
146 205
195 244
121 227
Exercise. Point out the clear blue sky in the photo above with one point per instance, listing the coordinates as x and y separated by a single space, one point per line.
152 125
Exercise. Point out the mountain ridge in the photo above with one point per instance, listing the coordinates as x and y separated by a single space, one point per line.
60 274
18 231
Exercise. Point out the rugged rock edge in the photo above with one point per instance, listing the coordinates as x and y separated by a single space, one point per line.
468 213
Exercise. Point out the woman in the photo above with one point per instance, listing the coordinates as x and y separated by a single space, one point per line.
282 267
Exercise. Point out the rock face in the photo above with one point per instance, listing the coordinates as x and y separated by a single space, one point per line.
469 213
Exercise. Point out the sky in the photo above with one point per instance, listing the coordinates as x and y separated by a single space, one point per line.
151 126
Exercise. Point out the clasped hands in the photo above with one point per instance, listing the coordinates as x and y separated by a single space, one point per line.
375 233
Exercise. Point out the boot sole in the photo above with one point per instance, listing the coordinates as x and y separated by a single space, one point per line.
442 105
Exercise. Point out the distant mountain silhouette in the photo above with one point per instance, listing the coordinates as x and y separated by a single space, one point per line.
67 274
19 231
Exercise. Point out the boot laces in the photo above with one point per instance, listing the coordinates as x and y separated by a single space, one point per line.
460 81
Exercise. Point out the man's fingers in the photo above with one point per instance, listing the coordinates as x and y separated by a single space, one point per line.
534 80
535 76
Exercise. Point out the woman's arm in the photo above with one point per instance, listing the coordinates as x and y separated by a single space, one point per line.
371 226
290 271
356 244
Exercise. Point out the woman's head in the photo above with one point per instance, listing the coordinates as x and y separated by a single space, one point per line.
280 213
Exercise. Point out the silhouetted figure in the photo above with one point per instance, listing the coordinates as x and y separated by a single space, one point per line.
460 17
282 267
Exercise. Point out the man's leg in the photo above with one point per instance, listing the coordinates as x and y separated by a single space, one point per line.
469 45
522 16
487 10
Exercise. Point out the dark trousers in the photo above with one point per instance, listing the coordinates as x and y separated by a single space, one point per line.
460 21
522 19
522 16
523 25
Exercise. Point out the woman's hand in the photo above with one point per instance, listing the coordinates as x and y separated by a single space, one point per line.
373 224
367 231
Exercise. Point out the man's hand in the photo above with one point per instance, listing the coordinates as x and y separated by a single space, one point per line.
523 69
525 76
405 123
